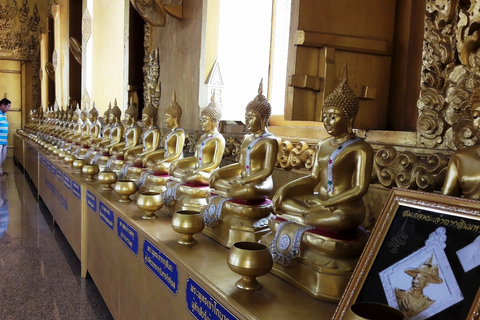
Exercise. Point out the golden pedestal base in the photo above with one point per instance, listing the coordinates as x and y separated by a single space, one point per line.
323 264
116 164
82 152
134 173
156 183
180 196
229 221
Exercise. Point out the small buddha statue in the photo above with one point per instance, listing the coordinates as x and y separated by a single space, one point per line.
317 234
133 157
105 131
95 127
132 136
77 126
240 202
188 185
158 162
463 171
85 127
114 137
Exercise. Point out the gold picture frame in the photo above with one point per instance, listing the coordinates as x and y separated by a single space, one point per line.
421 233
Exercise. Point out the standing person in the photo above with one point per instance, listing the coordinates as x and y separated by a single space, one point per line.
4 107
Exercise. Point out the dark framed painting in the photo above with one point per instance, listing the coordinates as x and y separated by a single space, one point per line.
422 258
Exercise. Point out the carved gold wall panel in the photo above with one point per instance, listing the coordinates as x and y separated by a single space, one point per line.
450 72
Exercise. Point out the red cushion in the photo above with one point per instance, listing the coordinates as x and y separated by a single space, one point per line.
256 202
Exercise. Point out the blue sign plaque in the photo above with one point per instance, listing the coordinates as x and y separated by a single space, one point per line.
66 181
164 268
202 305
59 174
91 201
106 214
76 189
128 235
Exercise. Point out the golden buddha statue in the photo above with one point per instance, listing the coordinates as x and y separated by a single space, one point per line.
133 157
132 137
315 238
105 130
85 127
77 127
189 185
158 162
114 137
93 133
463 172
240 205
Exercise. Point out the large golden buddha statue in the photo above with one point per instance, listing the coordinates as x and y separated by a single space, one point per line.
463 172
158 162
133 157
189 185
238 209
316 239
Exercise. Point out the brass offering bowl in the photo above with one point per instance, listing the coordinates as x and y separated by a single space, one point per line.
107 178
187 223
50 149
125 188
90 170
150 202
56 151
372 311
78 165
68 159
250 260
62 154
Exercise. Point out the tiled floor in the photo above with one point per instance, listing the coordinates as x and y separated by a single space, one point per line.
39 272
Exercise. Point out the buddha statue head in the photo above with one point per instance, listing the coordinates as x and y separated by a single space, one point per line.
258 111
173 113
131 114
345 102
93 114
106 114
77 114
115 113
149 115
210 115
70 114
475 112
84 113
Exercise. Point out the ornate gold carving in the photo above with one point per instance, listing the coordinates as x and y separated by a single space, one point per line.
151 76
18 31
406 170
298 155
450 36
232 146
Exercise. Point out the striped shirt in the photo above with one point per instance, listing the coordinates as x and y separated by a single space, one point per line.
3 129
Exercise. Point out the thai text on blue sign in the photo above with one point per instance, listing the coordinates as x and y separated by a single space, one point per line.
59 174
202 305
106 214
53 170
66 181
91 201
76 189
164 268
128 235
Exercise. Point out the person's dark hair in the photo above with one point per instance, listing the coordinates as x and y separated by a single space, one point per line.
5 102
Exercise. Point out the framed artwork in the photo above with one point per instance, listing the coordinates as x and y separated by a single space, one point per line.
422 258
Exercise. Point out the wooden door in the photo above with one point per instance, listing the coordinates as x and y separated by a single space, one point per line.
325 35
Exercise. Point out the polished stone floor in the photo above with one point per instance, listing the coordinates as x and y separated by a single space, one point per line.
39 272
